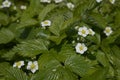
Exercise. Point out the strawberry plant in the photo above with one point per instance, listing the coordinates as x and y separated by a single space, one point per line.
59 40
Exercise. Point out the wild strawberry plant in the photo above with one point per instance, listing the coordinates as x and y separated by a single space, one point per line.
59 39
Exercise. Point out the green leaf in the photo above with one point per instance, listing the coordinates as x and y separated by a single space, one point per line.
27 23
8 55
59 24
55 28
80 9
116 66
3 19
57 39
48 61
99 20
11 73
59 73
2 79
20 34
117 19
99 74
51 69
59 27
101 57
94 39
106 7
66 52
6 36
45 11
78 65
31 48
116 51
32 10
68 22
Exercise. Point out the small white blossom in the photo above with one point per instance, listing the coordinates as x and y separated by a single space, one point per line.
78 38
18 64
108 31
45 1
91 32
18 21
23 7
73 42
112 1
80 48
6 3
14 8
58 1
33 66
83 31
54 70
70 5
46 23
76 27
98 1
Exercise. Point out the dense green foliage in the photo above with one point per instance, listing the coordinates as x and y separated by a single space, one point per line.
23 38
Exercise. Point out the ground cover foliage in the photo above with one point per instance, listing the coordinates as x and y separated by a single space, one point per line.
29 50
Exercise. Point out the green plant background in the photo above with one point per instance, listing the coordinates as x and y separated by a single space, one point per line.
52 47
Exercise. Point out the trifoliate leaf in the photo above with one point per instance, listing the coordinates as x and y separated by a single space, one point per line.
78 65
59 73
31 48
11 73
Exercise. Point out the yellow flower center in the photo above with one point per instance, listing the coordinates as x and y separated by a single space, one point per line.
111 1
46 22
6 3
81 47
32 66
107 30
18 63
83 31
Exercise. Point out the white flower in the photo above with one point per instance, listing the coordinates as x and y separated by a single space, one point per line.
45 1
83 31
98 1
70 5
108 31
6 3
46 23
80 48
23 7
18 64
91 32
58 1
112 1
33 66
